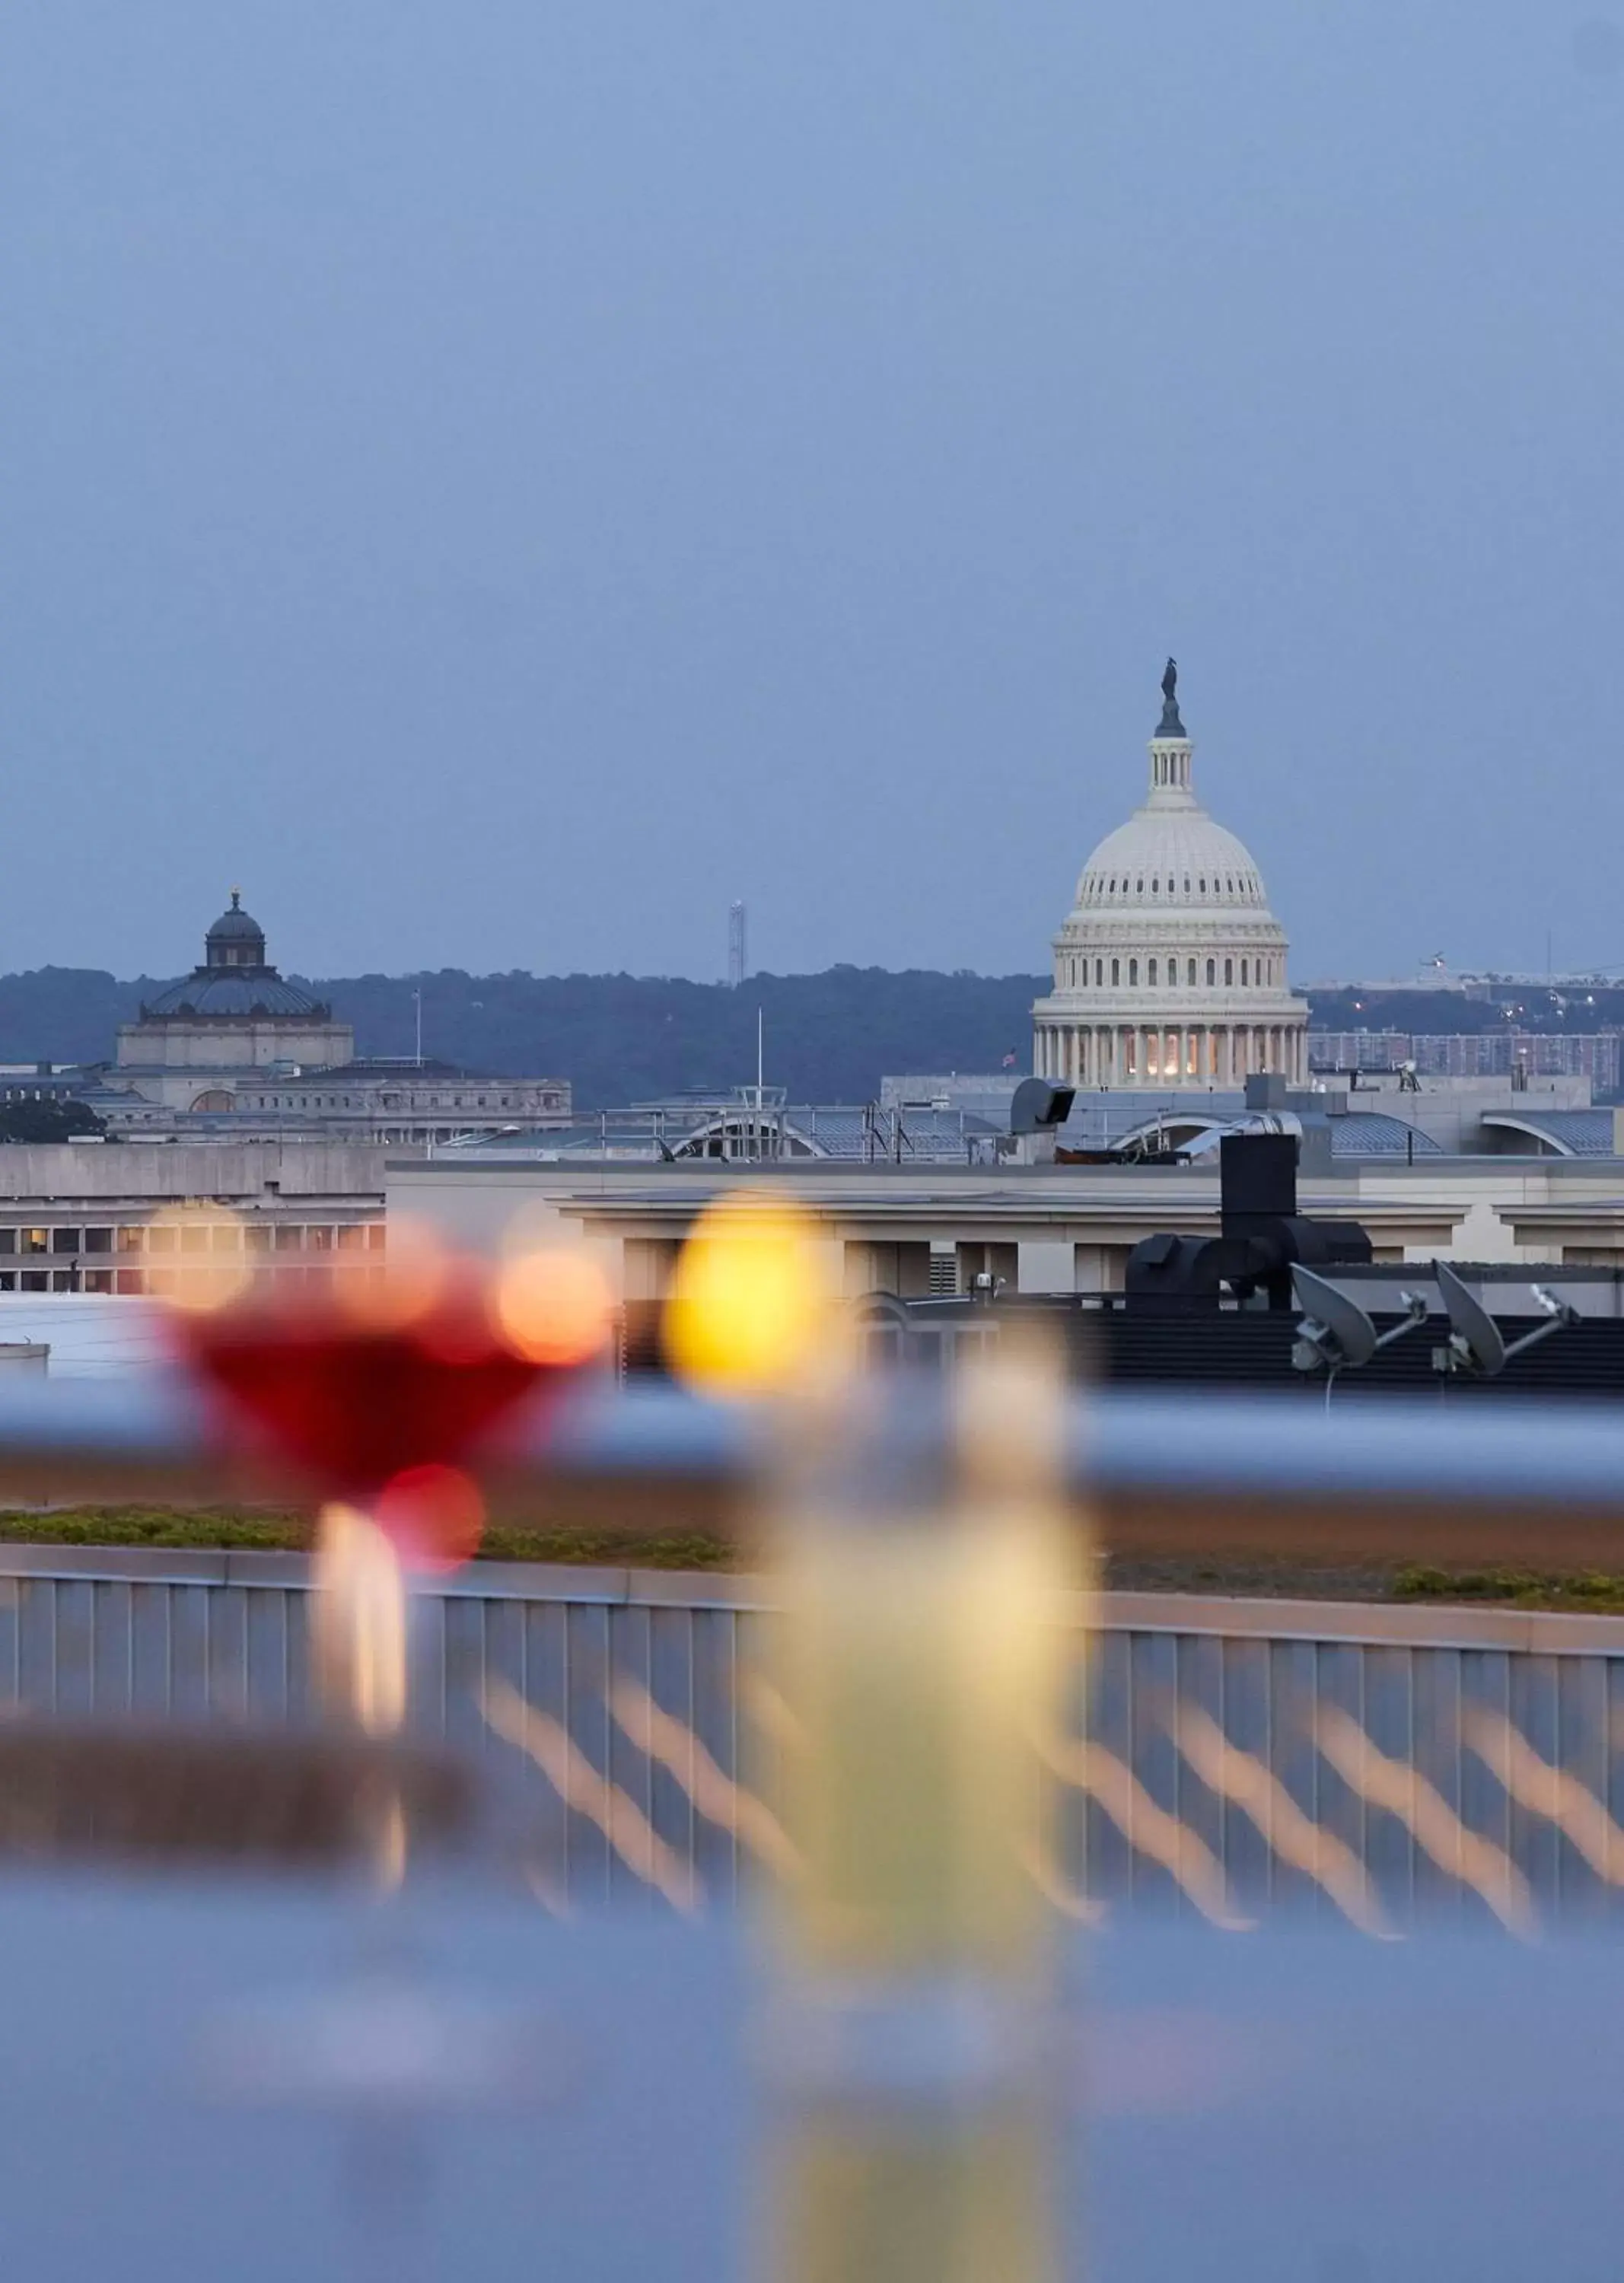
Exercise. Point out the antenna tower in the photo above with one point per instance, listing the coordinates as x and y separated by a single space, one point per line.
738 965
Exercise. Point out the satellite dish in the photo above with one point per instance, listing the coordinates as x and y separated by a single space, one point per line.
1475 1340
1335 1330
1474 1336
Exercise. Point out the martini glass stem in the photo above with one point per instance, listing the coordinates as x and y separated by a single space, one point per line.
360 1641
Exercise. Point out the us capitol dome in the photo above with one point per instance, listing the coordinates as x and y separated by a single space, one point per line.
1170 967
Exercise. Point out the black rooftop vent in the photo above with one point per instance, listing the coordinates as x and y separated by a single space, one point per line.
1257 1177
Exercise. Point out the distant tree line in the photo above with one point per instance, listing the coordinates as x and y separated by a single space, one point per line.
625 1037
47 1121
617 1037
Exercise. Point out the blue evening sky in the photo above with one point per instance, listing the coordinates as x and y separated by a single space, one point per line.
500 481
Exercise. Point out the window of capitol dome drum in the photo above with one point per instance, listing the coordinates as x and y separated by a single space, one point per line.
1151 978
1211 973
1228 970
1132 970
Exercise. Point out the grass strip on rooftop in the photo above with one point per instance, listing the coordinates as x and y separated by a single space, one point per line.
1595 1591
237 1530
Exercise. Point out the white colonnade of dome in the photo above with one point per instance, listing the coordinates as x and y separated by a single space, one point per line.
1170 969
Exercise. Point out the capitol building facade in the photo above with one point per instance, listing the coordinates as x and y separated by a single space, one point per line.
1170 967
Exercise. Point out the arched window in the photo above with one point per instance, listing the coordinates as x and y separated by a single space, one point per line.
1203 887
1243 971
1139 891
1151 978
1212 973
1099 973
1190 977
1187 886
1116 972
1156 887
1133 971
1228 970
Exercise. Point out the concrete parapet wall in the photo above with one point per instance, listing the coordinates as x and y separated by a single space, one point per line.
66 1172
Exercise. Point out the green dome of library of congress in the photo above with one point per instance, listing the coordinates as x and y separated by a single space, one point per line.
235 980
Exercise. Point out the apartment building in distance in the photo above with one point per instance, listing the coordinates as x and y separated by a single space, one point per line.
1511 1054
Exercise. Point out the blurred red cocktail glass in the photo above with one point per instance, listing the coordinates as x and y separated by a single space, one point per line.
378 1387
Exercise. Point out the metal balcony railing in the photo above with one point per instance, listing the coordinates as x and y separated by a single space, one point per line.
1195 1469
1218 1760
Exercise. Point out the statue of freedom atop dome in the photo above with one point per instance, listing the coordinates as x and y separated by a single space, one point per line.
1170 725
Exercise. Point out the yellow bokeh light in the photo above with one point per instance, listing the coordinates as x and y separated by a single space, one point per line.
554 1307
748 1303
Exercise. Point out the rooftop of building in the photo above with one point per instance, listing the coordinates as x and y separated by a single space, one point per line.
235 982
1566 1133
393 1069
737 1128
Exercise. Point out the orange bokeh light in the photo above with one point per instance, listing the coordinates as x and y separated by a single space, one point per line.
553 1307
418 1273
210 1268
